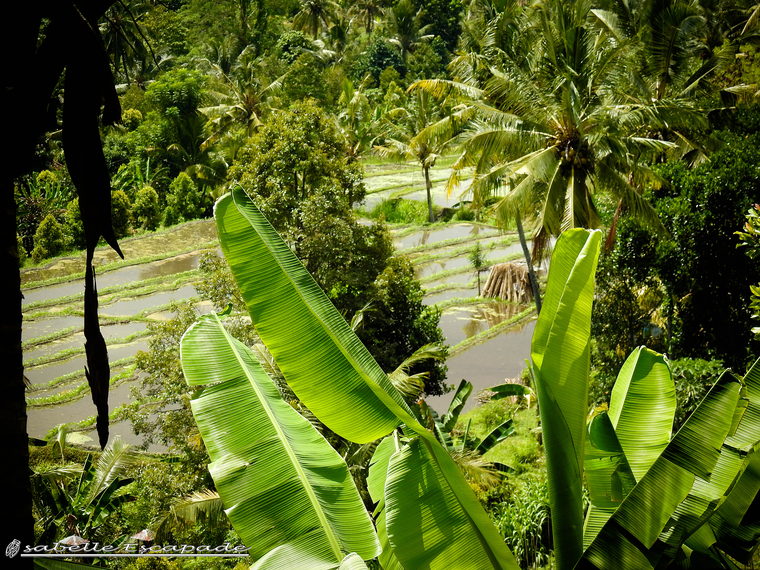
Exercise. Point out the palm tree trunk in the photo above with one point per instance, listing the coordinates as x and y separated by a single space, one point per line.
526 253
428 187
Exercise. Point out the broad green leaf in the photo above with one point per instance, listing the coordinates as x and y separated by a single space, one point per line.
325 363
457 404
353 562
642 406
708 492
693 453
428 525
321 358
560 353
288 494
378 470
607 473
508 390
496 436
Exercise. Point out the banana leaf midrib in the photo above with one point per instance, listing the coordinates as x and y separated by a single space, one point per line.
378 390
288 449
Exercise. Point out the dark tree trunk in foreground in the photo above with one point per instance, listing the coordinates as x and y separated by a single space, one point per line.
27 94
526 253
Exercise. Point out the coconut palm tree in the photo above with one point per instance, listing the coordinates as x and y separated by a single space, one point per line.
313 15
367 11
240 97
409 136
556 126
406 25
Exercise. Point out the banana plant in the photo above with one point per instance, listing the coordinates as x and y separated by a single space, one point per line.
656 501
82 508
278 479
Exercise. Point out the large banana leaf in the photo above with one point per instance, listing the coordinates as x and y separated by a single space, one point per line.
635 536
642 406
329 368
294 318
288 494
378 471
427 524
736 524
608 475
560 353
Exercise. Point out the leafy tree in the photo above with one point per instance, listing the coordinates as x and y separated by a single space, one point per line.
291 44
184 202
707 279
146 210
750 238
443 19
296 168
49 240
380 55
396 323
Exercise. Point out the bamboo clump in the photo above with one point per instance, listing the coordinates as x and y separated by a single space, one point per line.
509 281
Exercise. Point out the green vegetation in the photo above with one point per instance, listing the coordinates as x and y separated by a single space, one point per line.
636 118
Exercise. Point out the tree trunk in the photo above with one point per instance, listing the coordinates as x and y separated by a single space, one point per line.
428 187
526 253
18 523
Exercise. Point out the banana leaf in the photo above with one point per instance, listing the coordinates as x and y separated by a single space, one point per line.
450 418
378 470
496 436
560 353
330 370
608 475
427 525
642 407
294 318
633 537
288 494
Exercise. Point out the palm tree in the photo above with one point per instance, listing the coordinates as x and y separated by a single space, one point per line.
406 25
367 11
557 125
124 36
409 136
313 15
240 98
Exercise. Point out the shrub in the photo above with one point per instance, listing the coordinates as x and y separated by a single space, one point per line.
74 225
400 211
120 213
22 255
145 210
131 118
184 202
49 240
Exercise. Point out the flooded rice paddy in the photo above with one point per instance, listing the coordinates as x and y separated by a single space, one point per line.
52 327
